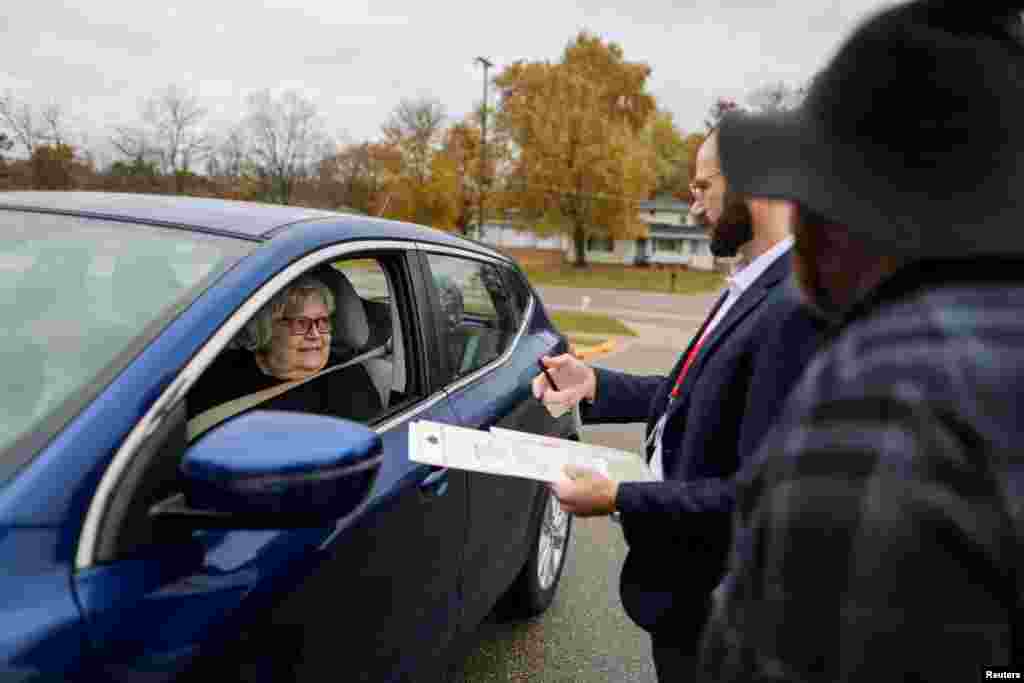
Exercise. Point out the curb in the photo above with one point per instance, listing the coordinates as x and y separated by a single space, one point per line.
589 352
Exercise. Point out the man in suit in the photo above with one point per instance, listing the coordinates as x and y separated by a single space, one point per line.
704 419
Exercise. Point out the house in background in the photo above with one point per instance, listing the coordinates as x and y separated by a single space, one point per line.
524 245
513 235
670 240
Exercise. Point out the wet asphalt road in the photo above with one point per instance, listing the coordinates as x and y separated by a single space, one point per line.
585 636
667 310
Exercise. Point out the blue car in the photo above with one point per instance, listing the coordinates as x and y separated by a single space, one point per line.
142 539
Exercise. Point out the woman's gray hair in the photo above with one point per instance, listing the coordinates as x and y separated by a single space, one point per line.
257 333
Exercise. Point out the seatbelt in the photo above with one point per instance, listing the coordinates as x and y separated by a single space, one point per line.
214 416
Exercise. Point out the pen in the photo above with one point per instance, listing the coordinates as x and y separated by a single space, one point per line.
547 374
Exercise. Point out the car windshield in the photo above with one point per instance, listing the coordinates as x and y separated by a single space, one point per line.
76 294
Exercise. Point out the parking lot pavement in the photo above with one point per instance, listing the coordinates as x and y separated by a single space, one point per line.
628 304
584 637
663 322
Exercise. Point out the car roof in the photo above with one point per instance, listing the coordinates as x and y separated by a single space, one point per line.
239 219
247 220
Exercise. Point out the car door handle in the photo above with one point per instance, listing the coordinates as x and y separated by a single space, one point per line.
436 483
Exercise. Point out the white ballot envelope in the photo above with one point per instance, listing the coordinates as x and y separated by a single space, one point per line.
511 453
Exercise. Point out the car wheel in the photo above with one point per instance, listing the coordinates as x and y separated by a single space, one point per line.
534 589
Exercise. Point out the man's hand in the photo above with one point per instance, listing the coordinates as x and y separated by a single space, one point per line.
575 379
585 492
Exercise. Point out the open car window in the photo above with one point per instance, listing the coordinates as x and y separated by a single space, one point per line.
360 352
374 380
370 282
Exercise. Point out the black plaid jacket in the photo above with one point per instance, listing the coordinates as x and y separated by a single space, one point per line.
879 532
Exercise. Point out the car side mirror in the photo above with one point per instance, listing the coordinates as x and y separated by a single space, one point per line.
275 470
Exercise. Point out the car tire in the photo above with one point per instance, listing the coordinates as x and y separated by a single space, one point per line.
534 588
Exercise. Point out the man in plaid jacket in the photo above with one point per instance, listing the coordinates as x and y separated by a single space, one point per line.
879 532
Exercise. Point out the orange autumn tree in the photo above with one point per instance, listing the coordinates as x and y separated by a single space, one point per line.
672 154
474 182
691 145
461 148
579 160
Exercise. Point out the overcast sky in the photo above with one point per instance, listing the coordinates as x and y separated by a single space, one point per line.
357 58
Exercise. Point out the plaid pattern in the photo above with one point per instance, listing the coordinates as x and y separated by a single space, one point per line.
879 535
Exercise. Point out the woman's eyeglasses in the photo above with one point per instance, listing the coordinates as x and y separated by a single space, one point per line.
300 326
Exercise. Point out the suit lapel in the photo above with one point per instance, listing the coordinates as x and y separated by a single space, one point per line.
747 302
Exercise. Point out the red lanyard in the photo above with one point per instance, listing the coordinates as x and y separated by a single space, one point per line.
704 331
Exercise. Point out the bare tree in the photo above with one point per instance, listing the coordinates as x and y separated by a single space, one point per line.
286 135
23 122
137 144
45 136
349 166
174 118
54 126
415 127
233 152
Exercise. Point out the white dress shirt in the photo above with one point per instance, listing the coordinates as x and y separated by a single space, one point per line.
736 285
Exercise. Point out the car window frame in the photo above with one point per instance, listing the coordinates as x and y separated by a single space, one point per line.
444 379
124 529
90 540
415 353
515 279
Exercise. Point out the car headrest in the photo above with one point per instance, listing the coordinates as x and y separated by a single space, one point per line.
450 297
351 326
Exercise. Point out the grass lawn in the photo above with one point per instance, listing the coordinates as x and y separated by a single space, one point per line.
571 322
618 277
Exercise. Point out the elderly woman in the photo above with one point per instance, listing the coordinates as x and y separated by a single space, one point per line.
289 340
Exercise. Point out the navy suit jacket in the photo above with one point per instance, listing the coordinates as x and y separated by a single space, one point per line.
679 530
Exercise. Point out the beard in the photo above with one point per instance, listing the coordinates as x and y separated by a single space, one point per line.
734 228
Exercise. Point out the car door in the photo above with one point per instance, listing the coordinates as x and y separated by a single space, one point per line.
372 595
492 351
384 604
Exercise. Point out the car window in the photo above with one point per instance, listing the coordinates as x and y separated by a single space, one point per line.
76 294
478 314
370 282
372 285
370 332
367 278
359 353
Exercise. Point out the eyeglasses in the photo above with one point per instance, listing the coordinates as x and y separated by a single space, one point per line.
703 184
300 326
